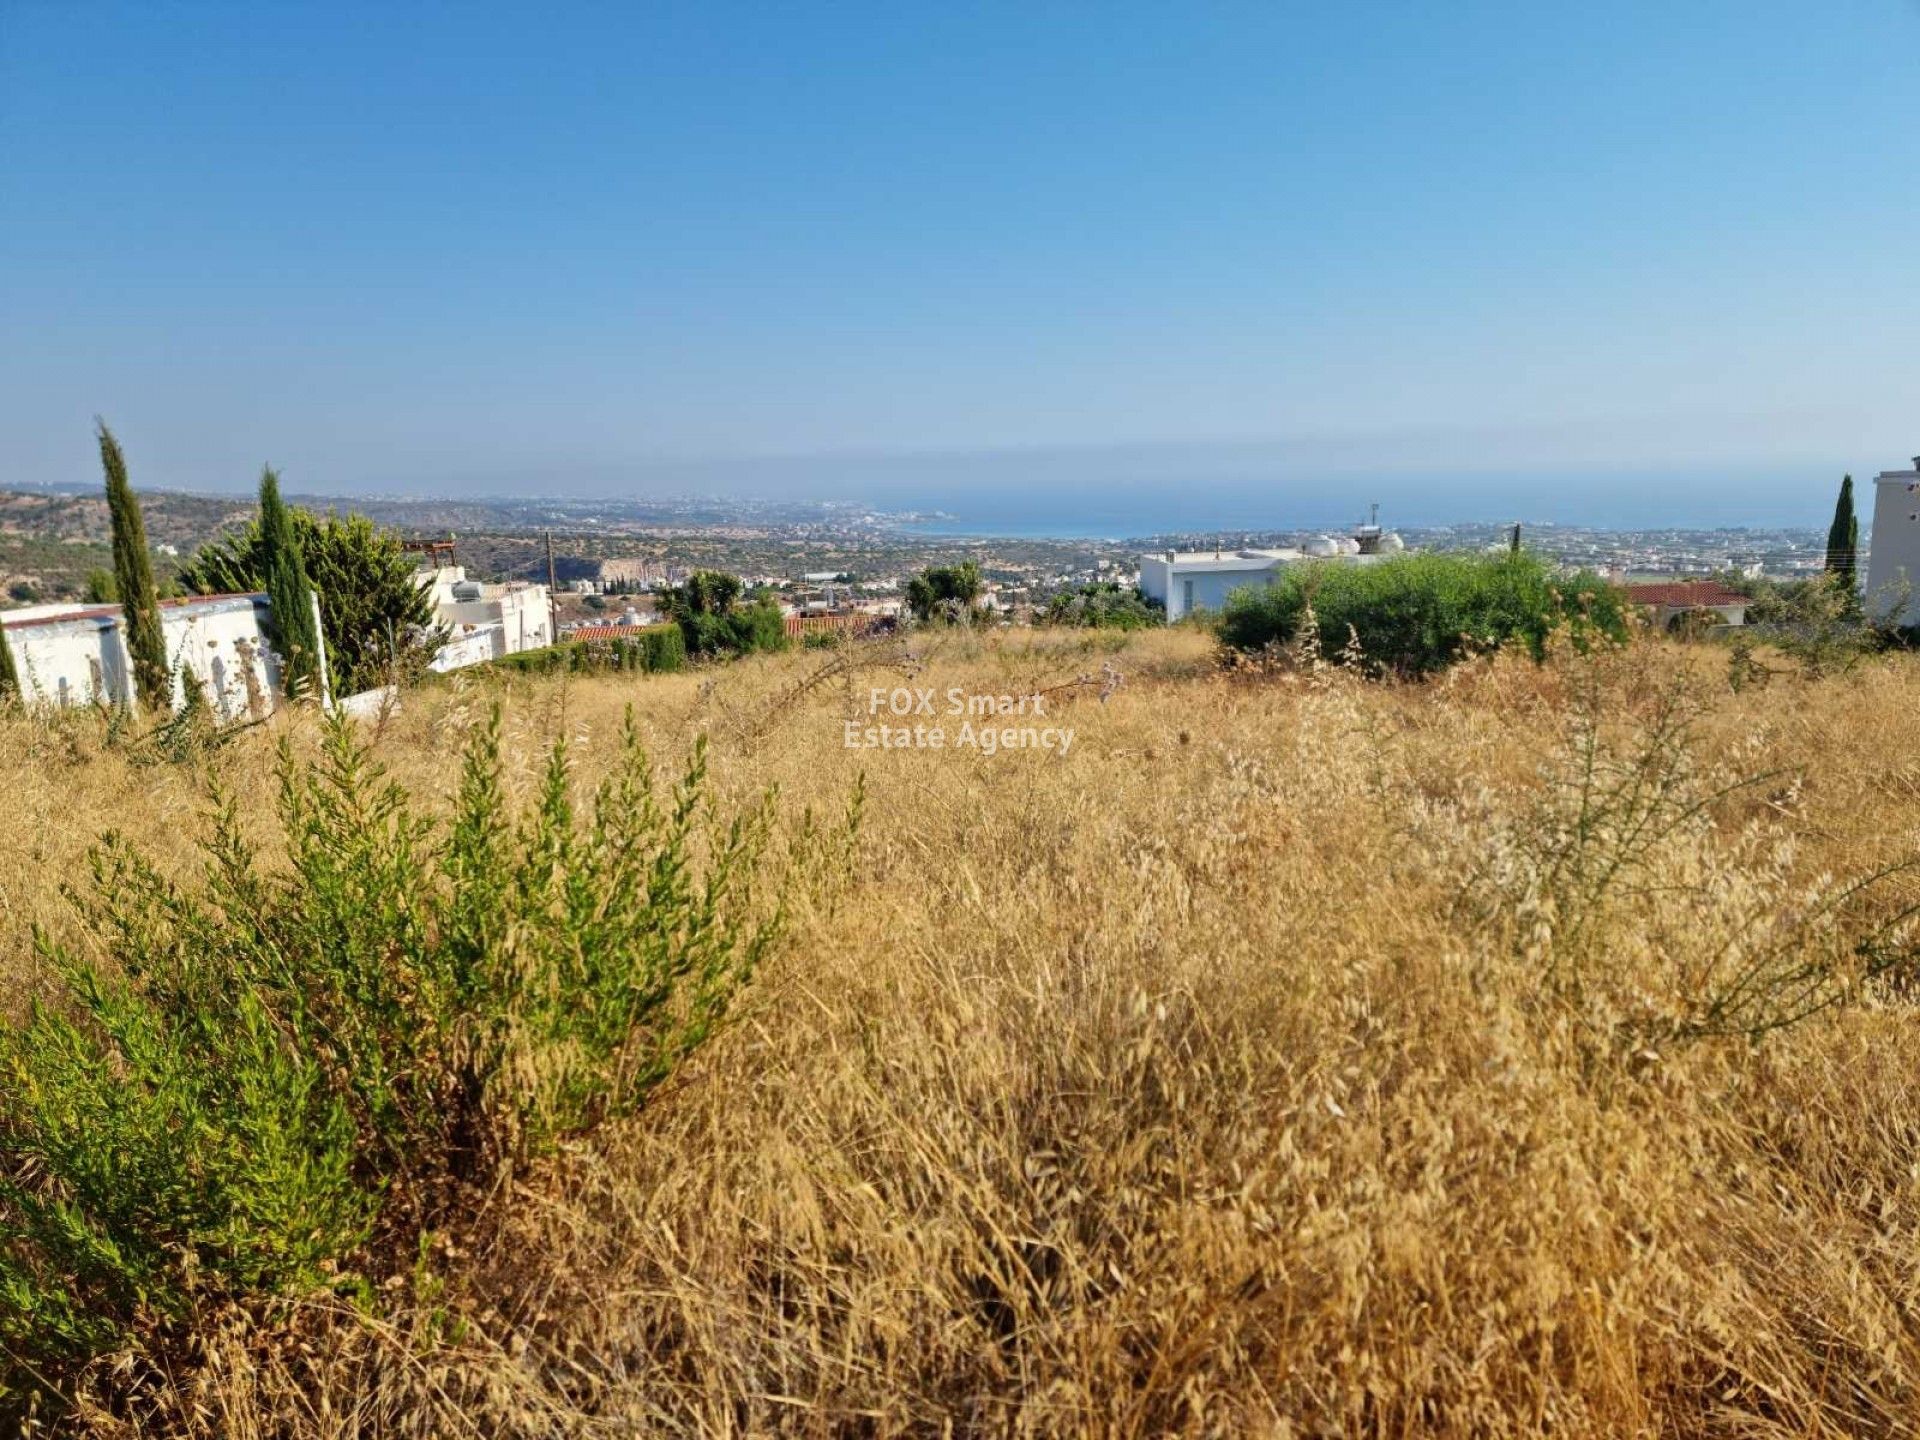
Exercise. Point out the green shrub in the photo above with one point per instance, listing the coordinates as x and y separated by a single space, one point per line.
654 649
945 592
1416 614
714 622
741 630
547 660
665 650
285 1065
1104 605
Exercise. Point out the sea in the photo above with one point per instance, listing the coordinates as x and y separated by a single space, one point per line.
1619 501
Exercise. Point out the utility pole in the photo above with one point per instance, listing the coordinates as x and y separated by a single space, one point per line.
553 597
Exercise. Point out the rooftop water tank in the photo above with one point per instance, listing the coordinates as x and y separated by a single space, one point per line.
466 591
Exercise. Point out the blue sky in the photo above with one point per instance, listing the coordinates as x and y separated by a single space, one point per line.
1542 259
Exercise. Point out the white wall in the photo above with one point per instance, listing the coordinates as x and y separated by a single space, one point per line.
1154 571
224 642
471 647
1209 589
69 661
80 657
1893 562
1190 583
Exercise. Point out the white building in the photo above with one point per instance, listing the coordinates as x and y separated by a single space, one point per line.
1893 562
1186 582
484 621
77 654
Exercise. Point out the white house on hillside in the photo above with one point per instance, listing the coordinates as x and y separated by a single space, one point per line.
486 621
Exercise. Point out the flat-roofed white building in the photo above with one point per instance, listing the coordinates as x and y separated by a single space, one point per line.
1201 580
1893 561
486 621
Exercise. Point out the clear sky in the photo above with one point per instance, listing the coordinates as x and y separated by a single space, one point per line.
1550 259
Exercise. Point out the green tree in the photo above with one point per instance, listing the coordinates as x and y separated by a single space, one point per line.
1843 539
133 578
101 588
289 591
707 592
944 592
375 618
712 620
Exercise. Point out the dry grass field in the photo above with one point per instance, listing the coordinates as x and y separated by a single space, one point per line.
1517 1053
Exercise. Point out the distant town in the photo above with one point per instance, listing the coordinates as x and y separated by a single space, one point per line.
606 558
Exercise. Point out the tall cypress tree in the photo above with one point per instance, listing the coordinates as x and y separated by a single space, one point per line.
289 591
133 574
1843 539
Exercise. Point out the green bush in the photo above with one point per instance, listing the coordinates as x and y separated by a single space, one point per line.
1416 614
547 660
664 650
945 592
740 630
1104 605
284 1066
714 622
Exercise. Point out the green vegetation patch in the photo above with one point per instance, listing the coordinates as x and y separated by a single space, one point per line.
287 1064
1416 614
1103 605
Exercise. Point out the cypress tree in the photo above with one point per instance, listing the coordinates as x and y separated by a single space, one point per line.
289 591
1843 539
133 576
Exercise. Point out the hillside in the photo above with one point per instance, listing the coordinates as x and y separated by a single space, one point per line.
1292 1054
51 541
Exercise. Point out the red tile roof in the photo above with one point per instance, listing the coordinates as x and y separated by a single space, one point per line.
608 632
1686 594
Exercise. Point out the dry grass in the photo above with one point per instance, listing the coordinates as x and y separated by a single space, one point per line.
1237 1073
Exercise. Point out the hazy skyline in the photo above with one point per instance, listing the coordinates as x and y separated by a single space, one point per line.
1635 262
